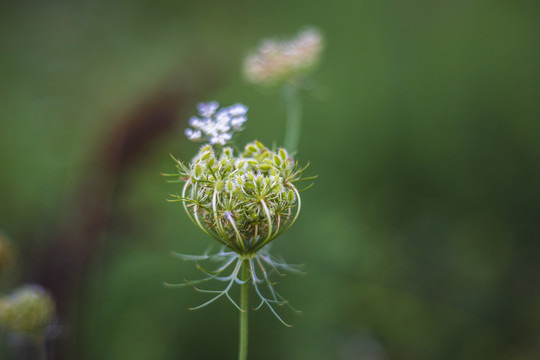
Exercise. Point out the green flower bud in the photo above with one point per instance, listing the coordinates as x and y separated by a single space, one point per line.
227 152
265 167
290 196
241 164
251 149
219 185
251 176
283 154
27 311
206 152
250 186
229 186
198 170
240 180
277 160
259 180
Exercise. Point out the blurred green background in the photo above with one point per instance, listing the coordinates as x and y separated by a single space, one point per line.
420 236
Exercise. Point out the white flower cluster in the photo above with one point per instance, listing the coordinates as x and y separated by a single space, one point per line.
216 126
276 61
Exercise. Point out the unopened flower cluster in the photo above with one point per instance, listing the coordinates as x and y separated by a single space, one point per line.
276 61
242 201
216 126
27 311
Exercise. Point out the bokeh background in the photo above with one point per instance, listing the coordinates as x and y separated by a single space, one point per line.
420 236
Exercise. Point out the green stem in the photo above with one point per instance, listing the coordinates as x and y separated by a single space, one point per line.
243 344
41 348
293 109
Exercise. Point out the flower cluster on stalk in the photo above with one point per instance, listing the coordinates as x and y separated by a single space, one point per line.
216 126
243 201
276 61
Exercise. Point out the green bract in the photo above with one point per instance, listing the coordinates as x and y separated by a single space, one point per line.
244 201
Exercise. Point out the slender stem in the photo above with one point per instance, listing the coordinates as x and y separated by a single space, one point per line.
243 345
41 348
293 110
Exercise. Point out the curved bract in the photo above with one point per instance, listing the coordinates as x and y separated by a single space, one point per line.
244 201
260 265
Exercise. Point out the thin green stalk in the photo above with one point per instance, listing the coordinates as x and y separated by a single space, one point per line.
41 348
244 305
293 111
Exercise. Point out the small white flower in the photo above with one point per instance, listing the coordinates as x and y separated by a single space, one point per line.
220 139
276 61
207 109
237 122
223 116
193 134
216 126
237 109
195 122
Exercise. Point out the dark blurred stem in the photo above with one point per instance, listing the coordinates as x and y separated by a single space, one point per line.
41 348
243 344
293 109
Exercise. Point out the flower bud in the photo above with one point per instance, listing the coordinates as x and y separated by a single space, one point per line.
250 176
240 180
27 311
290 196
206 152
251 186
259 145
277 160
219 185
229 186
283 154
265 167
227 152
251 149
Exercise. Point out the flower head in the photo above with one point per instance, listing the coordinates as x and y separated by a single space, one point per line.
243 201
276 61
215 125
28 311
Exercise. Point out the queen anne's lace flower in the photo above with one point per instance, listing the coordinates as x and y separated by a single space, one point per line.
276 61
242 201
216 126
